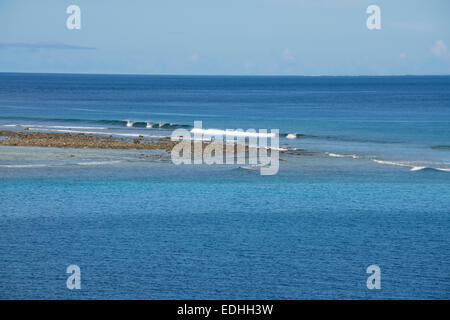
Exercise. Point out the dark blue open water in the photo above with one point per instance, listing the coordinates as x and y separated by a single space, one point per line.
375 191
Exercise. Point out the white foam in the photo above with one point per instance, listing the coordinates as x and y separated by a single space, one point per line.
336 155
271 148
392 163
413 168
97 163
129 123
291 136
235 133
23 165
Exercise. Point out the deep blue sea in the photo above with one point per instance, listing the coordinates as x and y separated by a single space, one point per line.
374 190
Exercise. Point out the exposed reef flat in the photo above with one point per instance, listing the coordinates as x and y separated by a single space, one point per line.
93 141
80 140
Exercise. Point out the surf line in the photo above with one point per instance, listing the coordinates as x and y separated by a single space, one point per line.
239 146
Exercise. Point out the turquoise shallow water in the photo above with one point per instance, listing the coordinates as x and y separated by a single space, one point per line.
140 227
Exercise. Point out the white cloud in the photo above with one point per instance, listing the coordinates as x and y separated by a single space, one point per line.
194 58
439 49
287 55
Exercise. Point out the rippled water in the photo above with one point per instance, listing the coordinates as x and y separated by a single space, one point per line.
140 227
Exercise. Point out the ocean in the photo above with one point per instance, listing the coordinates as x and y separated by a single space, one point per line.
374 190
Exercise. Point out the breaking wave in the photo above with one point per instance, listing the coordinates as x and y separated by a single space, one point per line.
235 133
336 155
291 135
412 167
23 165
152 125
130 123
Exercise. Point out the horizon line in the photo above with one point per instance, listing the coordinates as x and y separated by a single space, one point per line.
227 75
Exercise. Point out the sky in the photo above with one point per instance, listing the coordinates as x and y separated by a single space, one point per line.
226 37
